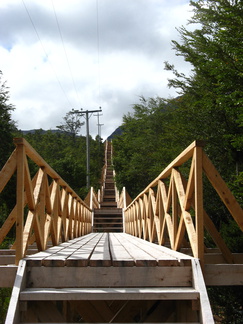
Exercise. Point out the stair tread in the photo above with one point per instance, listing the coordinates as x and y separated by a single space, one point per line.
137 293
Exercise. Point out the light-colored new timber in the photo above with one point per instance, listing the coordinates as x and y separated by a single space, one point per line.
60 277
20 282
109 294
206 315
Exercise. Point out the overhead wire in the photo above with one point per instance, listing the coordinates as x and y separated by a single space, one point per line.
65 52
98 49
45 52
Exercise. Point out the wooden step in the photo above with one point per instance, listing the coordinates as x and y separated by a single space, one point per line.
108 230
140 293
109 192
108 211
108 204
109 198
109 221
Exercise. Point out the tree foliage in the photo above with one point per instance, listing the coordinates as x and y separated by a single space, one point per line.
148 143
212 94
71 125
7 126
68 158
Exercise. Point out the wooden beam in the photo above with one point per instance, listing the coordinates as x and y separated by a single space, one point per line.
178 293
20 202
206 315
198 185
7 275
61 277
8 170
13 314
223 274
223 191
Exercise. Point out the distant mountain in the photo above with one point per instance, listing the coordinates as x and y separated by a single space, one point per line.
40 130
117 132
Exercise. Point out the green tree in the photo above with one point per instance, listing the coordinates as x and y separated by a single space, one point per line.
212 95
7 126
72 124
148 143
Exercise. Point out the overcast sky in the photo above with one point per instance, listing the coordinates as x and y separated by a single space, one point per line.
58 55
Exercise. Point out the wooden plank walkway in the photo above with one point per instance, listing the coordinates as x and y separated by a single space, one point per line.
106 250
102 277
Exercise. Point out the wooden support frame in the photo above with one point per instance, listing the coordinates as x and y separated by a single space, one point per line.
45 198
179 210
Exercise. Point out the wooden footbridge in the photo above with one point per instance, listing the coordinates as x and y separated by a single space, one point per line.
109 259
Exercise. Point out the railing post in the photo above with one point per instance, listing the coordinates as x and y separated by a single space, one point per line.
20 202
199 204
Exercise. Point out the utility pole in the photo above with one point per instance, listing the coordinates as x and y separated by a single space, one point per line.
99 125
86 114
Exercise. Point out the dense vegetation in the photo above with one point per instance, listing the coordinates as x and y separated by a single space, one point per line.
208 108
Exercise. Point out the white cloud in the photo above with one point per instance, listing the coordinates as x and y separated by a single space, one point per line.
47 80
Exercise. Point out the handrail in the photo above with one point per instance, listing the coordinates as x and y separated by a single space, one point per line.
172 212
92 199
54 211
124 199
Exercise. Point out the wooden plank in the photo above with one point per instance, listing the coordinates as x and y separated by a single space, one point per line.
49 294
72 250
13 315
206 315
7 275
101 253
8 170
219 258
223 274
7 259
183 259
20 202
161 256
199 204
120 256
7 252
8 224
67 277
141 258
56 255
82 254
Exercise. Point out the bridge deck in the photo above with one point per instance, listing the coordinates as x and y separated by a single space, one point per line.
105 250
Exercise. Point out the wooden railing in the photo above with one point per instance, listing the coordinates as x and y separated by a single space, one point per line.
123 199
47 209
171 207
103 176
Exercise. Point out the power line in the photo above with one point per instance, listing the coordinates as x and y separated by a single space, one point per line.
98 47
65 52
46 55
